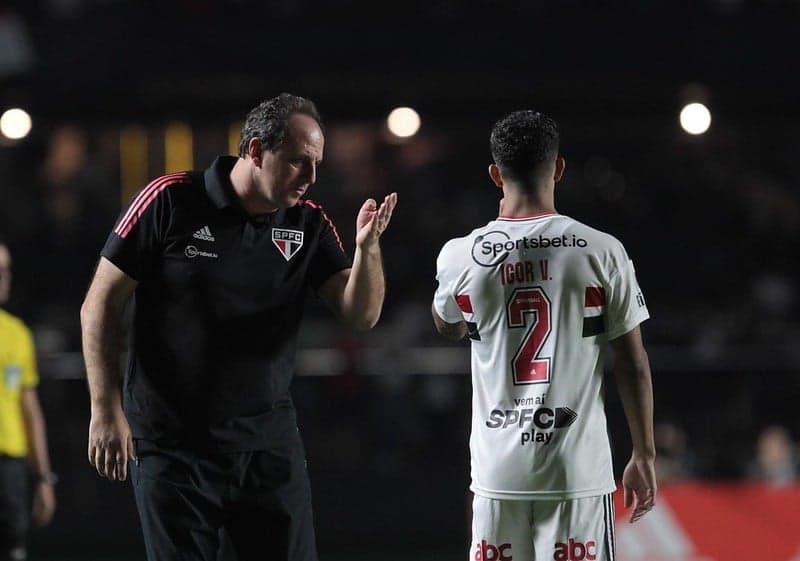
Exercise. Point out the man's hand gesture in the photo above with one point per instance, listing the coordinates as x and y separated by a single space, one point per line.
373 220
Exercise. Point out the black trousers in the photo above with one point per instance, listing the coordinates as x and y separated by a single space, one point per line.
14 507
261 498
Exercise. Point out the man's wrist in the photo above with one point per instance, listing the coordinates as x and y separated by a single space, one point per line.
645 453
373 247
106 404
48 478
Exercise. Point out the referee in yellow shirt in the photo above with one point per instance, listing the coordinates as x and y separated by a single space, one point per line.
22 431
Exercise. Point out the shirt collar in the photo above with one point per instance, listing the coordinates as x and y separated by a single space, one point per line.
218 182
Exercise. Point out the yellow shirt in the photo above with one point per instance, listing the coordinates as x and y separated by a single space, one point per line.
17 372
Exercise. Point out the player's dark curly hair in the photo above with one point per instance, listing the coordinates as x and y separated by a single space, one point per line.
523 140
269 121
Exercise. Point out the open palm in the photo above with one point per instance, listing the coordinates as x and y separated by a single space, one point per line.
373 220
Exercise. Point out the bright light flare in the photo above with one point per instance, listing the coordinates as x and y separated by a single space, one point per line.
403 122
15 124
695 118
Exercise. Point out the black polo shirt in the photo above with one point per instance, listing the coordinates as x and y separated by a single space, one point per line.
217 309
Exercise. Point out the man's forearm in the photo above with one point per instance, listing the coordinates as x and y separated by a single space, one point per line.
35 431
452 331
636 392
365 289
102 341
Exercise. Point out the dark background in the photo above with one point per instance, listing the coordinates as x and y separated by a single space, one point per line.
711 222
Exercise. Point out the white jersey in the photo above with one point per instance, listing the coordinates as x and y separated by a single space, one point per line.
541 296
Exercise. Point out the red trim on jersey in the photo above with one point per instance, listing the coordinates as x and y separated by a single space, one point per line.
144 199
464 303
528 216
142 195
312 204
595 296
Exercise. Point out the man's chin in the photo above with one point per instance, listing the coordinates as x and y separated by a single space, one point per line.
293 199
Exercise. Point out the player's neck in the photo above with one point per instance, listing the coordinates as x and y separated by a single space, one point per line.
519 205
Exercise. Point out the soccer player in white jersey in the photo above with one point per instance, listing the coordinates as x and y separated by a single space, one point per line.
540 295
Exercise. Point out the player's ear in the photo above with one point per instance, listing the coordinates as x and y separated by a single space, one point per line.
254 151
561 165
497 177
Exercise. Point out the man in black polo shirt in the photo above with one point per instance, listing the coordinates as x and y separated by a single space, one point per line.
219 263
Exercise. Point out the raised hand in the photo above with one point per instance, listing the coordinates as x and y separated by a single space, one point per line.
373 220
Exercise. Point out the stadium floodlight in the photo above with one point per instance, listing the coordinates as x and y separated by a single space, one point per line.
403 122
15 123
695 118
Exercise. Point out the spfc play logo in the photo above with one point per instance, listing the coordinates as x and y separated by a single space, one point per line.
288 242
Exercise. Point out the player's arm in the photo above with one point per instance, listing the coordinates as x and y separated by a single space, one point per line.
444 306
44 499
356 295
632 373
454 331
110 443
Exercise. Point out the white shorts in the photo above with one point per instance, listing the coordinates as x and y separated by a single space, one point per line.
572 530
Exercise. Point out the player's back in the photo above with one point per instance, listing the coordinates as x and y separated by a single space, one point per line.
541 296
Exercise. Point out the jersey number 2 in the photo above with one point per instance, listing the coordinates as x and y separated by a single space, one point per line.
528 366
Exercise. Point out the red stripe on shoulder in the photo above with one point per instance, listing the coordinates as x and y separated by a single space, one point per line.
312 204
145 198
143 195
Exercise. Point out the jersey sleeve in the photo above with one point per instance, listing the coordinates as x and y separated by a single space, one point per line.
133 244
444 299
29 377
330 256
626 305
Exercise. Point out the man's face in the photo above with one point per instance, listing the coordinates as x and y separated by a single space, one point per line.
289 171
5 274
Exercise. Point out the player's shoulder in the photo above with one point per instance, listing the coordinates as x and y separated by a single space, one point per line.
309 207
465 242
309 215
310 211
594 239
12 326
171 181
166 187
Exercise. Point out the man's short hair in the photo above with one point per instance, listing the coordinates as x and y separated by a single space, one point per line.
269 121
522 141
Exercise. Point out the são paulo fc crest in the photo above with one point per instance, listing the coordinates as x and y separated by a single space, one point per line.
288 242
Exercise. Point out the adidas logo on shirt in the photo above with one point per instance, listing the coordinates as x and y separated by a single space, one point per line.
204 234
